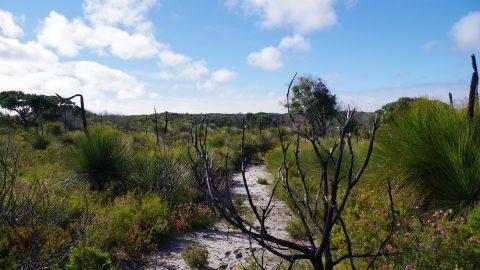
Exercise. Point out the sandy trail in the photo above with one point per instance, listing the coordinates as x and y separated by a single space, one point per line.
227 247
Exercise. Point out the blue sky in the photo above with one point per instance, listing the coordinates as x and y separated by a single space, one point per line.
127 56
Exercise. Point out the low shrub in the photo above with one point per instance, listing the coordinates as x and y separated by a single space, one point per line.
262 181
195 256
295 229
88 258
54 128
40 143
67 139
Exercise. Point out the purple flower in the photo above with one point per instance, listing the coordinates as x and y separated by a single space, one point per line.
408 267
407 234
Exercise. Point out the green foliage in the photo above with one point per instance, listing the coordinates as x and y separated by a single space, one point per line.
439 242
433 149
262 181
195 256
296 230
389 110
40 143
54 128
312 100
88 258
128 226
67 139
103 157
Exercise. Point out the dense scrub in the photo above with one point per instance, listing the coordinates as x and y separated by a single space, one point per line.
107 198
430 151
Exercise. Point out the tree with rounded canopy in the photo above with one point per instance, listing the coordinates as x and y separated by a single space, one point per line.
312 100
16 101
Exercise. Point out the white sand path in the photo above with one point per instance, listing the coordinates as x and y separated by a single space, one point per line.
227 247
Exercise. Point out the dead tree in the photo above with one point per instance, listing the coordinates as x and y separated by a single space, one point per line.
82 107
8 175
165 129
319 212
473 95
156 127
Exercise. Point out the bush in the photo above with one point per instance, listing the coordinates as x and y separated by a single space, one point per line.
54 128
434 149
262 181
40 143
88 258
67 139
130 226
102 158
295 229
195 256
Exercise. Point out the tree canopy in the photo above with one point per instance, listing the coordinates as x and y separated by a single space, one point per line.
312 100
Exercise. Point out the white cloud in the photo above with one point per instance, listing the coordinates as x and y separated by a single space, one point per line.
303 16
269 58
223 75
129 13
171 59
296 42
31 67
216 78
466 32
188 71
68 38
8 26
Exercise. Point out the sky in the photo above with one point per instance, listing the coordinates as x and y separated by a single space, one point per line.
232 56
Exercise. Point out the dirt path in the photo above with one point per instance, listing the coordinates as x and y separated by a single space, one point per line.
227 247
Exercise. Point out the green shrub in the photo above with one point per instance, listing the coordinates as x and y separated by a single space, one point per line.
262 181
88 258
129 226
67 139
434 149
195 256
54 128
102 158
40 143
295 229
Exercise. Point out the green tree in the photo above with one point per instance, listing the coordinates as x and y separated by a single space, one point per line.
263 121
42 107
312 100
16 101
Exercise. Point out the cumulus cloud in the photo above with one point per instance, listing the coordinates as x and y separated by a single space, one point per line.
296 42
32 67
121 29
129 13
466 32
302 16
216 78
8 26
68 38
269 58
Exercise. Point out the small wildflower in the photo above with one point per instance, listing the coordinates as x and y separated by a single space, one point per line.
390 248
408 267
